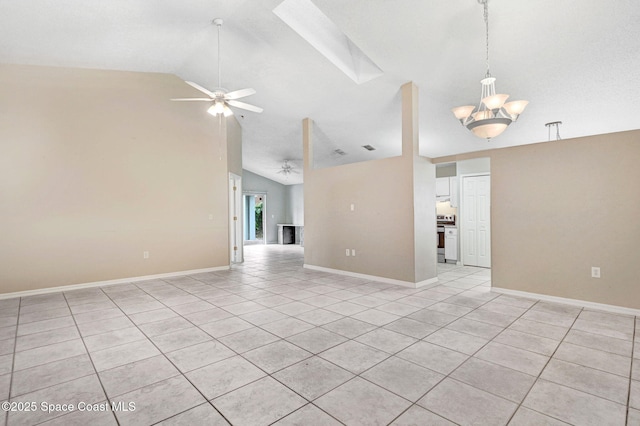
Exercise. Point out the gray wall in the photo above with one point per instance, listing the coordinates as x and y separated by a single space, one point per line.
295 204
276 201
446 170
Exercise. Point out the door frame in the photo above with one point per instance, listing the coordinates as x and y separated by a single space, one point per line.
236 253
461 232
264 213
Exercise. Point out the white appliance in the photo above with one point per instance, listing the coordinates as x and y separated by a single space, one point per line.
450 244
443 222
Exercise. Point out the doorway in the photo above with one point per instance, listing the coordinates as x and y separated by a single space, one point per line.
254 209
476 220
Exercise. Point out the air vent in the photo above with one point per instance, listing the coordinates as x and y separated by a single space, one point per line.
339 152
368 147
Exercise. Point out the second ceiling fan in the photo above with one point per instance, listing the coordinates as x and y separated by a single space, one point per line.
222 99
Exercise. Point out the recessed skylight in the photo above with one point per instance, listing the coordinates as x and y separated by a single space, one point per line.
317 29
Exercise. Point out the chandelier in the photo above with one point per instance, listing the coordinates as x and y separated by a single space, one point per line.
492 116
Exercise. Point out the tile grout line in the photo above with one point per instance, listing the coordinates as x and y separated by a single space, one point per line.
167 358
183 374
543 368
338 366
489 341
373 366
494 337
320 326
447 376
359 375
91 358
88 353
270 375
150 295
378 327
13 359
237 354
633 344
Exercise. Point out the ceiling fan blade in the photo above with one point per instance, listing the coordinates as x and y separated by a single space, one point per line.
237 94
193 99
245 106
200 88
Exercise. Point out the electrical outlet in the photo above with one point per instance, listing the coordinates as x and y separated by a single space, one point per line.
353 207
353 252
595 272
145 254
347 252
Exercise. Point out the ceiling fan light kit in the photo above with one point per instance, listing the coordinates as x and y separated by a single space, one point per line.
218 108
286 169
492 115
220 97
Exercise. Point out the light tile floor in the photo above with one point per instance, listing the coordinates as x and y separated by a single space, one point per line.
270 342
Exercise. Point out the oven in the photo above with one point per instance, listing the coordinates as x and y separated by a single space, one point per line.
441 244
442 220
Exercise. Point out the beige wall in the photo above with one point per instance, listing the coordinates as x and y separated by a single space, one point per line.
380 228
99 166
558 208
392 227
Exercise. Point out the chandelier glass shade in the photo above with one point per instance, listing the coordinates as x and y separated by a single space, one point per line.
492 116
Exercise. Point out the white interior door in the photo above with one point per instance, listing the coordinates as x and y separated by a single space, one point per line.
476 221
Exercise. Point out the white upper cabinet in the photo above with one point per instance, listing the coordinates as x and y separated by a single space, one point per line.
453 191
447 190
442 187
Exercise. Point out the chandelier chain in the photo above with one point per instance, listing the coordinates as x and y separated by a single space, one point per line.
486 24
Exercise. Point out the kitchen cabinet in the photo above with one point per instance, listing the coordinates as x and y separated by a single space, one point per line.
453 191
447 190
442 187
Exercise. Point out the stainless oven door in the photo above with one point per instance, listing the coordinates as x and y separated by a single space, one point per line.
440 244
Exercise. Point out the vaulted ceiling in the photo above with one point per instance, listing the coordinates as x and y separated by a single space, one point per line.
575 60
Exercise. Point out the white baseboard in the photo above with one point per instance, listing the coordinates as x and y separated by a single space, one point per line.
108 282
574 302
429 282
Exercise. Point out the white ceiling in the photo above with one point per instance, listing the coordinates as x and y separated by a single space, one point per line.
577 61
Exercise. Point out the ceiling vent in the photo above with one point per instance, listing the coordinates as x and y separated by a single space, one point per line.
368 147
339 152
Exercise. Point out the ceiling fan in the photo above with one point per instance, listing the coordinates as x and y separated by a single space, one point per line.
222 99
287 169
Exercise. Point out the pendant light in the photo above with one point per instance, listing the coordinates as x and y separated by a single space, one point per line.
492 115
